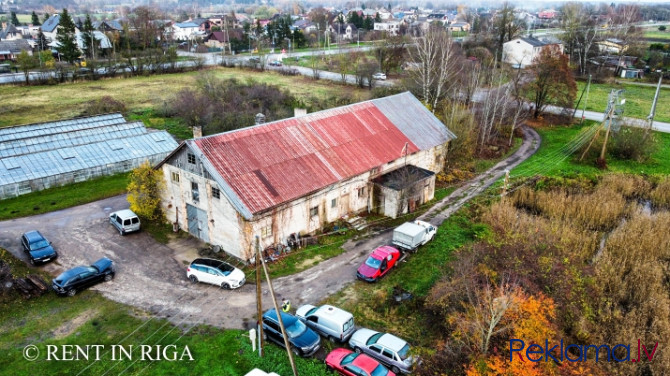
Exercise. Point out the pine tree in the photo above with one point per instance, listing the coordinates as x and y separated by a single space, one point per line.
14 19
42 43
65 36
368 23
35 20
87 37
378 18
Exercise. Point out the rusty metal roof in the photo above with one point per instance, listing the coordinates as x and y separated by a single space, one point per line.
263 166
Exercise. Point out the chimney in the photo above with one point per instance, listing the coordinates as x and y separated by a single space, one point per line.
260 118
299 112
197 131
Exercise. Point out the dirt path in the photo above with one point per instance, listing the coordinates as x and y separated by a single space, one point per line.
152 276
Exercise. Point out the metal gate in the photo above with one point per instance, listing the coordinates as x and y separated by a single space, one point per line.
197 222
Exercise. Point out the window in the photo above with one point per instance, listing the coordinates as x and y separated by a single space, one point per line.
361 192
216 193
195 193
266 231
191 158
333 203
175 177
314 211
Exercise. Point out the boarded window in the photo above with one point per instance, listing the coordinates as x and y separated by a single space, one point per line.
266 231
216 193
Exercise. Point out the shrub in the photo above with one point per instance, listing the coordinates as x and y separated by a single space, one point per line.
632 143
103 105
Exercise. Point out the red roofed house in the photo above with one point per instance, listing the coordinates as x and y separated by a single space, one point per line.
295 175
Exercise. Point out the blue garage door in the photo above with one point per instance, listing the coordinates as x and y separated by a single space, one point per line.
197 222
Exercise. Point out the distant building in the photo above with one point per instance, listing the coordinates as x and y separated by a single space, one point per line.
459 26
521 52
10 49
546 14
612 46
389 27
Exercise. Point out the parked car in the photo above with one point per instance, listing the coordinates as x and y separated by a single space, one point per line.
331 322
379 76
215 272
410 235
125 221
378 263
276 63
81 277
349 363
38 248
303 340
387 348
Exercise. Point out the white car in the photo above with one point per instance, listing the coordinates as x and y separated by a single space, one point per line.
215 272
386 348
379 76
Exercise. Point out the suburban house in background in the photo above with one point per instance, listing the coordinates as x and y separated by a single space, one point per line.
390 27
10 49
296 175
612 46
459 26
521 52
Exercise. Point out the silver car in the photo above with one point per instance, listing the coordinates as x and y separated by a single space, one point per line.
386 348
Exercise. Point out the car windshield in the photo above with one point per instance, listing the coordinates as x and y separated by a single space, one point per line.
373 262
296 329
39 244
379 371
404 352
374 339
225 269
349 358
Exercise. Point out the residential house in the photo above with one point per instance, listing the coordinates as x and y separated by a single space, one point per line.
10 33
521 52
459 26
186 31
108 26
548 14
217 39
344 31
441 17
50 27
296 175
389 27
204 24
306 26
10 49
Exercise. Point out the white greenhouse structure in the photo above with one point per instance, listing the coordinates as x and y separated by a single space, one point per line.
38 156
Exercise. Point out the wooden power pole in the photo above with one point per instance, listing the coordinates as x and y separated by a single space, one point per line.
259 305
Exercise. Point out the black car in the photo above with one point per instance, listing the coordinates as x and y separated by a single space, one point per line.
37 247
81 277
304 341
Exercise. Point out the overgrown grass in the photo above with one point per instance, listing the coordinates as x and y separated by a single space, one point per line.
33 104
638 100
152 119
63 197
657 34
90 319
550 161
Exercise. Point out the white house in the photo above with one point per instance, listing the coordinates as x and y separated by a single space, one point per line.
390 27
521 52
295 175
186 31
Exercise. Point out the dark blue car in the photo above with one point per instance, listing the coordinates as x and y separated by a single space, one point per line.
303 340
39 249
81 277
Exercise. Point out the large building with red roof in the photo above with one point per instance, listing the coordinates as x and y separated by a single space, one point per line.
294 176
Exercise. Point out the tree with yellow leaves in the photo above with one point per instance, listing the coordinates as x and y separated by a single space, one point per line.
144 191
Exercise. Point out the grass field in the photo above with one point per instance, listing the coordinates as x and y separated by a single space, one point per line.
657 34
638 100
550 161
32 104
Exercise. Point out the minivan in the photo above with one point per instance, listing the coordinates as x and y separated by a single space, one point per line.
333 323
125 221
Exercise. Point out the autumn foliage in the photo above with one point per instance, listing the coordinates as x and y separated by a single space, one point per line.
144 191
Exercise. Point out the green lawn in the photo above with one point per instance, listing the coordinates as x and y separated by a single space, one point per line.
638 100
57 198
549 160
657 34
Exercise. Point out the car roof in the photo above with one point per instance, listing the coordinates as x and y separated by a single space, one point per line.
384 251
392 342
66 275
125 213
328 310
365 363
210 262
287 318
33 235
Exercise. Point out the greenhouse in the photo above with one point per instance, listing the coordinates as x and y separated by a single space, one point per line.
38 156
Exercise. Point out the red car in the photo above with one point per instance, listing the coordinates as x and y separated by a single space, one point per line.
379 263
349 363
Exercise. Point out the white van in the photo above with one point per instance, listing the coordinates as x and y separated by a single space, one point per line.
331 322
125 221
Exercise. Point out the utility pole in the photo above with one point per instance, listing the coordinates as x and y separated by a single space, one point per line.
259 305
604 148
580 98
652 113
588 86
281 322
